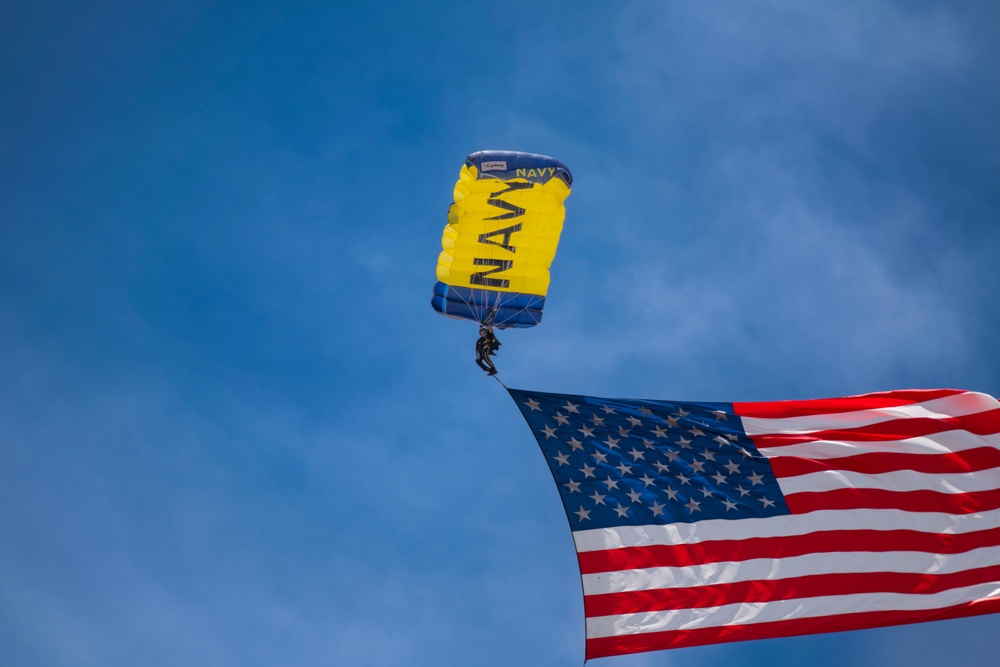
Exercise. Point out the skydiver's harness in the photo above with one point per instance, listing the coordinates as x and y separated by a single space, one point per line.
483 347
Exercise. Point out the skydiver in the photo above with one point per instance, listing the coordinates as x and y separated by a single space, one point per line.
486 346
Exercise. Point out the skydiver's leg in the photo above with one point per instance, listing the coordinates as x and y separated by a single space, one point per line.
483 362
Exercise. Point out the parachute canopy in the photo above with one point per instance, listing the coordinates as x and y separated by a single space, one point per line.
501 238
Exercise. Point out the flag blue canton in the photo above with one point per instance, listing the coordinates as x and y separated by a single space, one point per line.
631 463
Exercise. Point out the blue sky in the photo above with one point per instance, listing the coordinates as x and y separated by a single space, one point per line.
232 429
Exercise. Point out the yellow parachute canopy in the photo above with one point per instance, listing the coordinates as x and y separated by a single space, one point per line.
501 237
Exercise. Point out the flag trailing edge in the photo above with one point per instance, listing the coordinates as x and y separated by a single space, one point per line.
698 523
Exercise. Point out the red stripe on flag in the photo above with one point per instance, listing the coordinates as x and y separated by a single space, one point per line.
763 590
821 406
970 460
606 646
830 541
910 501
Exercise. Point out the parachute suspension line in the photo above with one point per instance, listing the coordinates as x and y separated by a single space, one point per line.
490 316
473 306
484 317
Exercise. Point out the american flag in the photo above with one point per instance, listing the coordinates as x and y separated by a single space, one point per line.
698 523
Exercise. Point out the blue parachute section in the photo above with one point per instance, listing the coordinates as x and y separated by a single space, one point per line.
507 309
505 165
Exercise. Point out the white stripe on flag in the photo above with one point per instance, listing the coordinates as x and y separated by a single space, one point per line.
898 480
941 443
